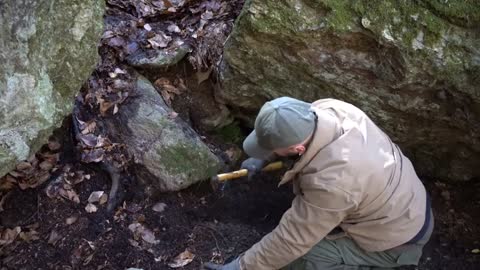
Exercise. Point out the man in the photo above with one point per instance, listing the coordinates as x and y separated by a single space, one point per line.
348 175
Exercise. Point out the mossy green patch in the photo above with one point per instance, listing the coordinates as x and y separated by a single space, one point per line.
192 161
465 13
231 133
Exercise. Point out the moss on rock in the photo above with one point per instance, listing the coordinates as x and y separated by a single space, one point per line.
409 64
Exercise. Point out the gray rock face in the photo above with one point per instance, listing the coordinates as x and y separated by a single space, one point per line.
414 67
47 50
169 155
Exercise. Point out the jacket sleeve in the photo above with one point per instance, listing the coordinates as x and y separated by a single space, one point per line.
312 216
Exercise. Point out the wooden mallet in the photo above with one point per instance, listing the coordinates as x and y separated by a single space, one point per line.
221 179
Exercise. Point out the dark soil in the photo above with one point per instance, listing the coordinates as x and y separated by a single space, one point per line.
213 225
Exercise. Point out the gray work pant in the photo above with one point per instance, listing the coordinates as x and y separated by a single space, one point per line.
343 253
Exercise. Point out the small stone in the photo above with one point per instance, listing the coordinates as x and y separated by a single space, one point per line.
91 208
71 220
159 207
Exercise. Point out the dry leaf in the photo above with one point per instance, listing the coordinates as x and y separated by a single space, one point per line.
159 207
203 76
69 194
54 145
32 235
104 106
182 259
167 97
9 235
140 231
46 165
107 34
148 236
103 199
120 71
95 155
95 196
16 174
89 127
89 139
91 208
88 259
23 166
167 89
7 182
133 243
160 40
54 237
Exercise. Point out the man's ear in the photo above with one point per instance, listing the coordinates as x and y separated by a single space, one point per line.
300 149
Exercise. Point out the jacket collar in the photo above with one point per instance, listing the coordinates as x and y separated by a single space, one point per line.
326 131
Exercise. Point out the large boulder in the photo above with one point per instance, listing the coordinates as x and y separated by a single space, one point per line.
413 66
47 50
168 154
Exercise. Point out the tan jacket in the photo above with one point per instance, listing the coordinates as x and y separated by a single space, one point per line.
353 176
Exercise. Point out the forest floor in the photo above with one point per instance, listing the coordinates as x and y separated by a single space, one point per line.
183 229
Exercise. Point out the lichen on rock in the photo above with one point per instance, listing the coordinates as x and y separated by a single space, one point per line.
47 51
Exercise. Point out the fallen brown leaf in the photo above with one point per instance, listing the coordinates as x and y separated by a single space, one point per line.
32 235
89 127
140 231
160 40
95 196
23 166
203 75
54 145
9 235
54 237
46 165
95 155
69 194
89 139
182 259
104 105
7 182
103 199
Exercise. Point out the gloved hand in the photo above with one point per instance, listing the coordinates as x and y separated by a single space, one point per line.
253 165
233 265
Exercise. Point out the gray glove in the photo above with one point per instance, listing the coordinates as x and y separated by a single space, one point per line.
233 265
253 165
